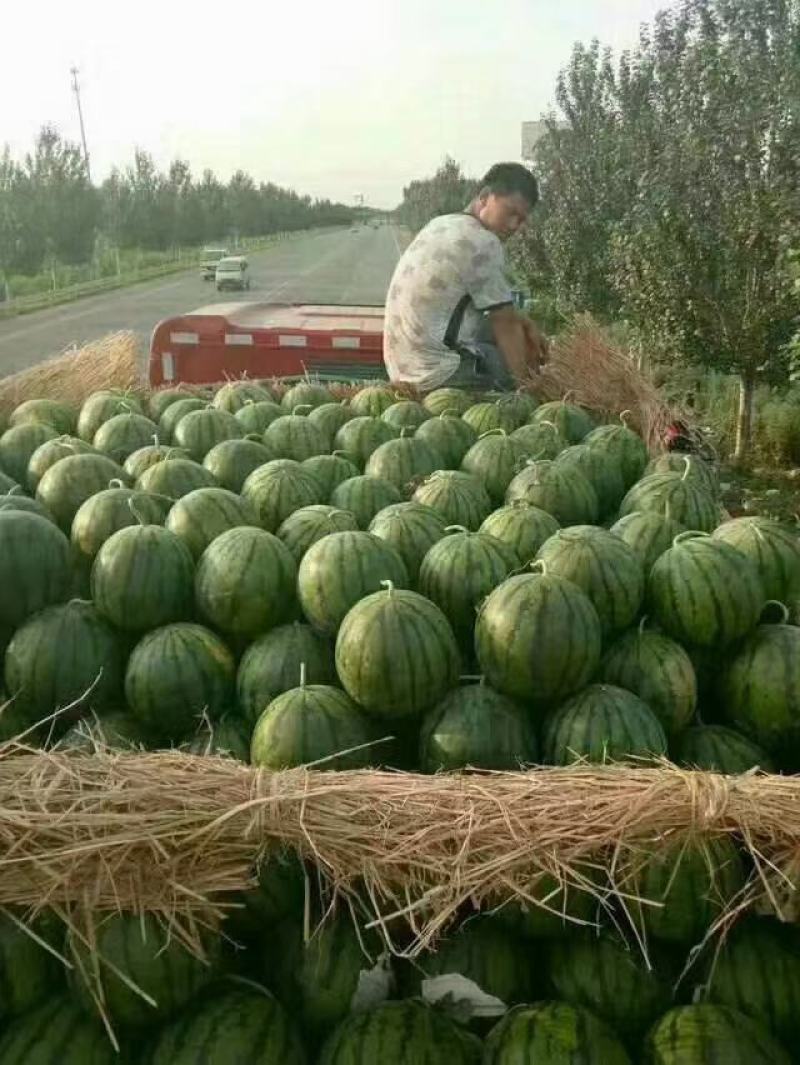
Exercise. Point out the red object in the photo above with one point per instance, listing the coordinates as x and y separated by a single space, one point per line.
258 340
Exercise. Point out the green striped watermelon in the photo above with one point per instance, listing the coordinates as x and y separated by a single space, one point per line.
411 529
279 892
477 726
648 534
174 675
245 582
109 511
522 527
15 499
50 412
573 422
143 577
676 496
49 453
101 406
600 469
159 400
309 524
199 517
562 908
330 470
411 1032
256 417
603 567
698 470
703 591
566 494
235 395
495 459
403 462
293 436
123 434
538 638
35 566
553 1033
227 738
483 417
174 478
625 446
614 980
711 1035
271 665
71 481
364 496
56 1033
395 652
65 656
603 723
372 401
720 750
659 671
168 422
28 972
145 457
773 548
458 573
231 462
17 447
541 440
522 403
405 414
231 1022
279 488
447 400
459 497
329 419
200 430
449 437
305 394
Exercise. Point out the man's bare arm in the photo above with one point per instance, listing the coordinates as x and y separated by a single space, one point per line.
519 341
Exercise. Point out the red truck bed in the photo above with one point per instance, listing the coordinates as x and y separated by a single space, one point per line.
257 340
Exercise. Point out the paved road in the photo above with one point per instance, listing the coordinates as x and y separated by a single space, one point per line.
338 267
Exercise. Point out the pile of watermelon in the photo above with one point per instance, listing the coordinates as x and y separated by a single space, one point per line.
281 577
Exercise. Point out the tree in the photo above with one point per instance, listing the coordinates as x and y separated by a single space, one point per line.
446 192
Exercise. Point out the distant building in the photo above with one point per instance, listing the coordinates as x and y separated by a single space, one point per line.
533 132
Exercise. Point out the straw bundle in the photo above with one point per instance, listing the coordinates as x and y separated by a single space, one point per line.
111 362
174 833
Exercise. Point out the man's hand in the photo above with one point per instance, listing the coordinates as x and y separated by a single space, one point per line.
536 343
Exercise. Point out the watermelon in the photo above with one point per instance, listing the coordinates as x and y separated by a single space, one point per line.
294 437
459 497
614 980
231 462
691 883
17 447
447 401
602 723
8 484
65 656
200 430
413 1033
330 471
364 496
123 434
29 972
143 577
405 414
235 395
141 460
271 665
49 453
372 401
305 394
774 550
411 529
358 438
458 573
159 400
175 412
72 481
58 416
116 729
566 494
56 1032
245 582
313 723
538 638
232 1022
676 496
659 671
448 437
109 511
257 417
705 1034
698 470
309 524
17 500
553 1033
227 738
403 462
483 417
541 440
648 534
624 446
139 948
602 566
520 403
201 516
329 419
477 726
703 591
562 907
280 892
573 422
175 478
174 675
523 527
600 469
101 406
761 688
279 488
396 655
720 750
35 566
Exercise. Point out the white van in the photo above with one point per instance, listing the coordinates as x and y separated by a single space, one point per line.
232 272
209 260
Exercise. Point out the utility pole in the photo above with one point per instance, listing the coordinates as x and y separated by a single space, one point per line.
77 90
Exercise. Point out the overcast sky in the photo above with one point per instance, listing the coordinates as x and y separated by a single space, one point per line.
332 98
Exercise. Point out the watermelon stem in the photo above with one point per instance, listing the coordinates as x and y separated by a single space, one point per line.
302 407
456 528
540 566
497 431
688 534
302 674
388 585
781 606
135 512
643 623
624 415
450 412
688 466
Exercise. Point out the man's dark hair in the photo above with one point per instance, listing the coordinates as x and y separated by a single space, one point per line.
504 179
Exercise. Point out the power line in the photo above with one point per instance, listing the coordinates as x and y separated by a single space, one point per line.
77 90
